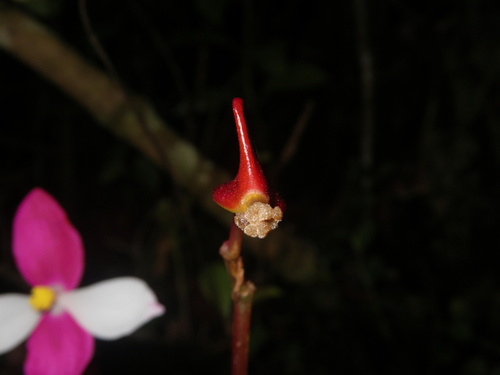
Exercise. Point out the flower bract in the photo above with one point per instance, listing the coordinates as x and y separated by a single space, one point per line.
258 209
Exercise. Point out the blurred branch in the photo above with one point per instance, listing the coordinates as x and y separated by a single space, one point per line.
293 141
44 52
129 100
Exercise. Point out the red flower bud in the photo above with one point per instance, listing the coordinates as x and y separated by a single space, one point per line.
248 195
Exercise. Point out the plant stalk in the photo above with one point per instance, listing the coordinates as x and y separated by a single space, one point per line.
243 291
242 313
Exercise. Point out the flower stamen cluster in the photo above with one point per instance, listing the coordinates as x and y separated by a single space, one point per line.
259 219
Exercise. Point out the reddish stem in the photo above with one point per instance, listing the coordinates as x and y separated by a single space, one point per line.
242 313
243 292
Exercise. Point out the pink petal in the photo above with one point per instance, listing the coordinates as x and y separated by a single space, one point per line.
58 346
47 248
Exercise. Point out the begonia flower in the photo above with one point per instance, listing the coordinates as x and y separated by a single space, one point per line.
59 321
257 208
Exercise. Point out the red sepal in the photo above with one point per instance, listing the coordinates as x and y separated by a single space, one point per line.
250 185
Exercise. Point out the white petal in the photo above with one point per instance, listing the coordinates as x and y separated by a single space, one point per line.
112 308
17 320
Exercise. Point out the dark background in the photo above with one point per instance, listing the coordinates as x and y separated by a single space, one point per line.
407 244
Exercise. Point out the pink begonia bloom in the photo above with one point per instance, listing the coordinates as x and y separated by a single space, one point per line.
60 320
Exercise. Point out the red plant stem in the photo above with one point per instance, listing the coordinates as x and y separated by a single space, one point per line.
242 312
242 295
230 252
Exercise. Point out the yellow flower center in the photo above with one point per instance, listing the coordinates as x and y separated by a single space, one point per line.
42 298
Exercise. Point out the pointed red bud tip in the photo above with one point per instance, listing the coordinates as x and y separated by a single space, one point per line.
248 195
